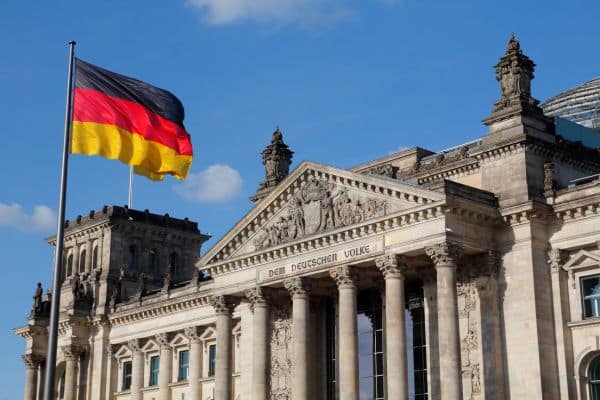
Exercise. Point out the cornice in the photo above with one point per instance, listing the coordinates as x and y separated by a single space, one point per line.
158 310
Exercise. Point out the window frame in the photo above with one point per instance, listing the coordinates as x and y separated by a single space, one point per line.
126 378
180 375
154 370
595 298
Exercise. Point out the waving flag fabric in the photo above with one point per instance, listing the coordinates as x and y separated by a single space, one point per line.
122 118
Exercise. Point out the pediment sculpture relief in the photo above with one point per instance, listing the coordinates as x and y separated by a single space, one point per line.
318 206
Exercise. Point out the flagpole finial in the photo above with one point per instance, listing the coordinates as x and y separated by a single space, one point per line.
72 43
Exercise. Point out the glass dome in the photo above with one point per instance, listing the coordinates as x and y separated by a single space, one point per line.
580 104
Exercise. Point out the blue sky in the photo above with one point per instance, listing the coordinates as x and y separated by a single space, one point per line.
347 81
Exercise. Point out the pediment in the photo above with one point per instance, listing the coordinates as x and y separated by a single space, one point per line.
313 200
581 260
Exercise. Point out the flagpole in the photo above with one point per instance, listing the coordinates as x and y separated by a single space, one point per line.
60 236
130 197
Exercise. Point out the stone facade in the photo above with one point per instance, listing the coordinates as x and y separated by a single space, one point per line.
463 274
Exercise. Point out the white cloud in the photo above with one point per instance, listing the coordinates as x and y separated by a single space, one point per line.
43 218
216 184
306 13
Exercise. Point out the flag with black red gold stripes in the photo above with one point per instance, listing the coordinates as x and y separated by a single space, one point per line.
122 118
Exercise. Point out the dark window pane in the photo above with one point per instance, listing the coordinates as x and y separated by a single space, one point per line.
183 365
379 387
379 363
212 359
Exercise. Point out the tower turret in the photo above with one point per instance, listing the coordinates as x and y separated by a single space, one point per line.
277 158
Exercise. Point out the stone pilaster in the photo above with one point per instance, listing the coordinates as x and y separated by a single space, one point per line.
445 256
32 367
137 369
393 266
260 342
345 278
72 355
223 381
165 366
299 289
195 372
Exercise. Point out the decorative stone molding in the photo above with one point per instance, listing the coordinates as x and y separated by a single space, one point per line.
135 345
258 296
72 352
391 265
191 332
297 286
344 276
33 361
221 304
556 259
157 310
163 340
444 254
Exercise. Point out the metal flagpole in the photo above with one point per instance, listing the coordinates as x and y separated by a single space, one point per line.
60 236
130 198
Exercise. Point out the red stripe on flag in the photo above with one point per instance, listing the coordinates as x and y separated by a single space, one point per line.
94 106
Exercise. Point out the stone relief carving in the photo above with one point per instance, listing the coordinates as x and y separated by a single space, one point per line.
318 206
281 351
470 344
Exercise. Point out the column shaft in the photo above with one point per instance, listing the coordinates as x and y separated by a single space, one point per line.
164 373
223 380
395 334
30 382
195 368
448 335
299 288
137 375
71 379
260 352
346 278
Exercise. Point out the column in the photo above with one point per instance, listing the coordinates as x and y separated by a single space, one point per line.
392 267
223 382
165 367
137 369
444 256
72 354
111 372
88 255
299 289
195 362
346 277
260 339
32 364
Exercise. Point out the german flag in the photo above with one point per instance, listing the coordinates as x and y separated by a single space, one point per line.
122 118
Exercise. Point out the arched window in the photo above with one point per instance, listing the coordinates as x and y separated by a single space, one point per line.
132 257
82 261
95 257
174 263
61 386
594 378
70 265
152 257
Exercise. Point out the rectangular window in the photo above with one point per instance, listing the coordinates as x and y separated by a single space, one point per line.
154 368
184 364
212 359
590 290
126 385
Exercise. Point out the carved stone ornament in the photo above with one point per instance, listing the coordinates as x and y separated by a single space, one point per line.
549 177
258 296
191 332
298 286
135 345
318 206
277 158
344 276
221 304
444 254
163 340
556 259
32 361
72 352
391 265
281 352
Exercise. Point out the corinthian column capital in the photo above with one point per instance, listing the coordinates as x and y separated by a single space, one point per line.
445 253
135 345
344 276
258 296
391 265
191 332
163 340
72 352
222 304
32 361
297 286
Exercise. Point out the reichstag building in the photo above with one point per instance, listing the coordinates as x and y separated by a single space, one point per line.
470 273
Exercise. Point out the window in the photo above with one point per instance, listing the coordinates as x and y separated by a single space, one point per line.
132 257
95 257
594 378
174 263
154 368
152 261
82 261
70 265
184 363
126 384
212 359
590 287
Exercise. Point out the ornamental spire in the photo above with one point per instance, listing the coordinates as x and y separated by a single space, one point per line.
277 158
